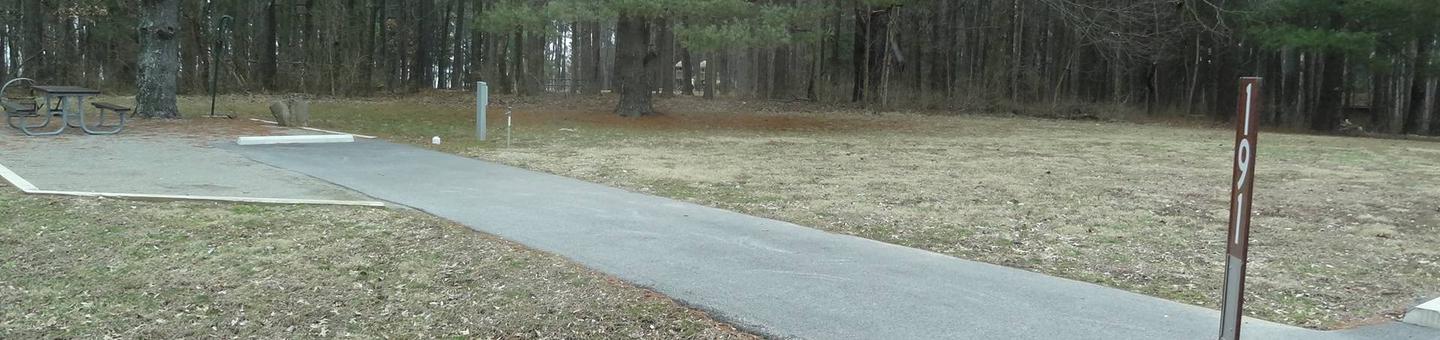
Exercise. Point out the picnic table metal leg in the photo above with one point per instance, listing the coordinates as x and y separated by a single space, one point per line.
64 119
101 115
11 117
68 105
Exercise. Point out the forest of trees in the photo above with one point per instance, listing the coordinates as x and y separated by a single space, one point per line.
1372 62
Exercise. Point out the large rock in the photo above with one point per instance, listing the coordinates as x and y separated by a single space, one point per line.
281 111
299 112
1426 314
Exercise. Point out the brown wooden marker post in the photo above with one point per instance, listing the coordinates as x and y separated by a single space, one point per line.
1241 190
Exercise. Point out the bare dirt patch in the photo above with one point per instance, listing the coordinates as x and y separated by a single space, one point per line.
87 268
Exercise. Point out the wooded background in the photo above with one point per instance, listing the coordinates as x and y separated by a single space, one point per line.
1372 62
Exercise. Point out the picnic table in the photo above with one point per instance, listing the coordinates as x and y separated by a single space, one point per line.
67 102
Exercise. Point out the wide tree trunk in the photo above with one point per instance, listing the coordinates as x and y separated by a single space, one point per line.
159 59
633 58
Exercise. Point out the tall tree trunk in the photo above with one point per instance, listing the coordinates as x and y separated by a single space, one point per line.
608 63
442 73
1017 35
32 65
534 62
665 65
1380 88
1332 87
1227 74
780 71
500 55
688 84
458 51
632 59
4 52
1401 99
517 62
424 73
480 46
65 63
1427 108
580 44
504 45
724 78
594 64
762 72
872 48
711 73
1418 94
159 59
367 59
194 52
859 52
269 62
305 44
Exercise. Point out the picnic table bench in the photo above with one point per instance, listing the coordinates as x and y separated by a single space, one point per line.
118 110
17 107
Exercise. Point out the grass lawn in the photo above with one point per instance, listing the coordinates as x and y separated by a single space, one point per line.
1344 231
93 268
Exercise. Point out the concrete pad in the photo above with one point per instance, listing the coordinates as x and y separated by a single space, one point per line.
160 166
1426 314
298 139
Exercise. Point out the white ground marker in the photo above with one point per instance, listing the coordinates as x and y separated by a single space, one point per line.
302 139
318 130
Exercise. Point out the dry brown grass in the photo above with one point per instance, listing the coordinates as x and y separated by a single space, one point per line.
87 268
1345 228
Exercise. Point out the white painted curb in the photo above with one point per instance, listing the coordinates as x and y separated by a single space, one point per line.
28 188
1426 314
14 179
306 139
